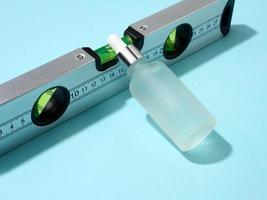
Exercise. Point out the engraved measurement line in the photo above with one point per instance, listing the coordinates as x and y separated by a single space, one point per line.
198 32
17 123
96 83
23 120
206 27
84 89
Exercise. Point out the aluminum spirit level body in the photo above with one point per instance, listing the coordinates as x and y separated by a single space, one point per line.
59 90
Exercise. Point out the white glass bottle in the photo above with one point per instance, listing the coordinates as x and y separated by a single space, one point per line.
165 98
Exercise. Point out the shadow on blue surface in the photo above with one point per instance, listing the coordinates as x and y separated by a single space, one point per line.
62 132
212 150
201 155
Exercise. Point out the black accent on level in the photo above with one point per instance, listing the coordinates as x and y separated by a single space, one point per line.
94 55
108 65
184 34
138 38
54 109
100 67
227 17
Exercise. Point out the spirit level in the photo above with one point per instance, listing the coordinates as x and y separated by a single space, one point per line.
59 90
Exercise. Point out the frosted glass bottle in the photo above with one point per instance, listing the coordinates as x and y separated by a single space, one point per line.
165 98
174 108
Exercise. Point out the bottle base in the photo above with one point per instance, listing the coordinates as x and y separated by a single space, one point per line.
199 135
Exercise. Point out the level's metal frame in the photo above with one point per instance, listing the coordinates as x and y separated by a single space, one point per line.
77 71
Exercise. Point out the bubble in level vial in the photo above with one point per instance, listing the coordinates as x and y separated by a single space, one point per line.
21 121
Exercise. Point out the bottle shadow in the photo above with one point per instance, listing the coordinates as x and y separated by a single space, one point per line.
11 160
213 149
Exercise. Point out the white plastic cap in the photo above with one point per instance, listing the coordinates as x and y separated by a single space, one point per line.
116 43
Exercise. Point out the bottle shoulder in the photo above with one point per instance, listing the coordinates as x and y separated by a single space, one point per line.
146 67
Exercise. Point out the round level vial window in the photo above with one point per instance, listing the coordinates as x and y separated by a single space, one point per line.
177 41
50 106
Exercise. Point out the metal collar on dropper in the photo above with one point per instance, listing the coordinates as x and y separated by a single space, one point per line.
128 53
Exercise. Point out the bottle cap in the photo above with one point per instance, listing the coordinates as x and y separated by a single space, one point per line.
128 53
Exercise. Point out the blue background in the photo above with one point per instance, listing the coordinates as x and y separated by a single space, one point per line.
114 151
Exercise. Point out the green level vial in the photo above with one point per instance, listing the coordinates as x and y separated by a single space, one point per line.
107 54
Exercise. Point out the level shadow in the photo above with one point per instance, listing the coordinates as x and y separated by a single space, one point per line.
24 153
64 131
213 149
